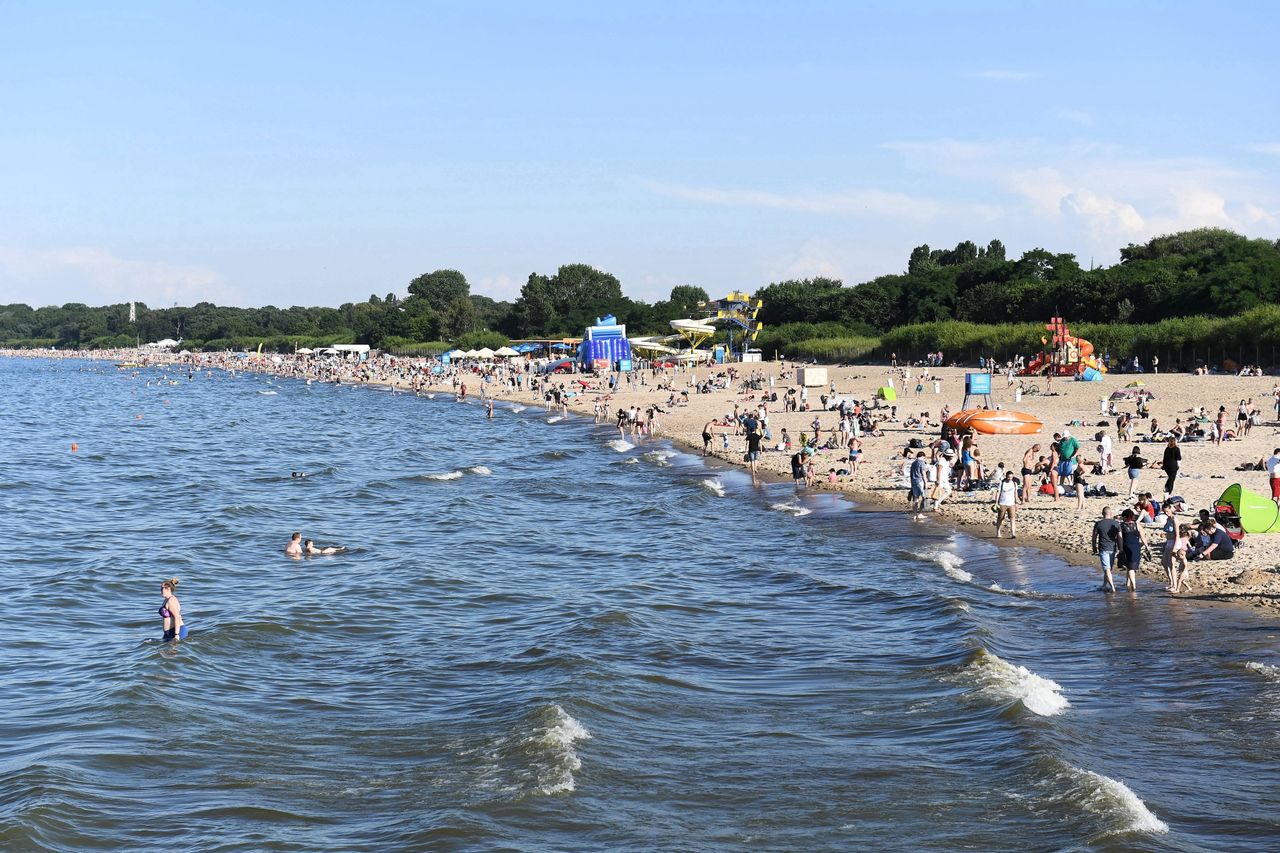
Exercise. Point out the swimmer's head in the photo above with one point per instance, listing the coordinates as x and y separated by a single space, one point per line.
171 585
297 535
307 543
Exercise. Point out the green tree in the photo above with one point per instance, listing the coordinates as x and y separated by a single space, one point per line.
458 318
440 288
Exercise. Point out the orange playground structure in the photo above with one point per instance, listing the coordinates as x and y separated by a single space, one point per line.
1066 355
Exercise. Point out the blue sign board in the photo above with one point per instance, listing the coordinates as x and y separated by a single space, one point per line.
977 383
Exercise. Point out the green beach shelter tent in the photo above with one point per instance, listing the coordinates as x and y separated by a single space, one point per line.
887 393
1257 514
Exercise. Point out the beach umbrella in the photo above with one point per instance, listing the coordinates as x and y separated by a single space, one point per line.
456 353
527 348
305 351
505 352
470 354
485 353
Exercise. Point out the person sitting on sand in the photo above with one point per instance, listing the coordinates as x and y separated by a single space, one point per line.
1219 544
294 548
309 548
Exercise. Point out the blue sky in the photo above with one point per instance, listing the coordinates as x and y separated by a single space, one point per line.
315 153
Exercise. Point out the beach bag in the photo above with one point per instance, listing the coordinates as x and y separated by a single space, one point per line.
1045 489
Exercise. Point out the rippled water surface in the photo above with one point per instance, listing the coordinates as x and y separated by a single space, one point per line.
545 638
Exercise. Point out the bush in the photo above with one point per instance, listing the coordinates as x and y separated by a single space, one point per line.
833 349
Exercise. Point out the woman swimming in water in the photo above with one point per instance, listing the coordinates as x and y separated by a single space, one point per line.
171 612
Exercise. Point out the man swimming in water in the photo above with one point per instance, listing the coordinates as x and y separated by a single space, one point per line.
294 548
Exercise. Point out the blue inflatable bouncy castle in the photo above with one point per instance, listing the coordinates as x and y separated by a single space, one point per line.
605 345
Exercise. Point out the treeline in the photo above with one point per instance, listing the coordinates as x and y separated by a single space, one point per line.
1171 291
438 307
1207 271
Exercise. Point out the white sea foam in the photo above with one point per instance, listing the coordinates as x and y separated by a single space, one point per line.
621 445
452 475
951 564
557 741
1003 680
714 486
1112 798
480 469
555 420
631 460
518 408
660 457
1266 670
793 509
268 393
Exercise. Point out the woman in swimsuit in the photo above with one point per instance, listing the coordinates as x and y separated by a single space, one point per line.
171 612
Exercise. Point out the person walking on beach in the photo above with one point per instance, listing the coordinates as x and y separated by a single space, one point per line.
1007 505
1106 542
171 612
919 476
942 477
1134 463
1171 463
1131 544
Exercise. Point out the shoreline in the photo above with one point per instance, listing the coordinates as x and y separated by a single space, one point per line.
1252 579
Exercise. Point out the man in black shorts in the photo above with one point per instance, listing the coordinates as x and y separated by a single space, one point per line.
753 451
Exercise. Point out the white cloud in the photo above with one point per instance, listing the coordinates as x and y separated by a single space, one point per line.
1093 196
1005 74
1074 116
865 202
499 287
813 258
1272 148
95 276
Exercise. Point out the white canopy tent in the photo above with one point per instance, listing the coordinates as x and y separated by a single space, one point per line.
456 353
484 353
470 353
505 352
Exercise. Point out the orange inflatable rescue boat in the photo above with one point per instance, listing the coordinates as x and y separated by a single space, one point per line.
995 422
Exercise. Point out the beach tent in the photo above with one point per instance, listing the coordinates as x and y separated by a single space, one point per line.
1091 375
505 352
1257 514
485 353
305 351
1137 383
887 393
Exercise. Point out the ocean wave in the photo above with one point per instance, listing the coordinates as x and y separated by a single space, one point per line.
518 408
557 741
1004 681
1111 798
556 419
660 457
1266 670
480 469
793 509
451 475
714 486
951 564
621 445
